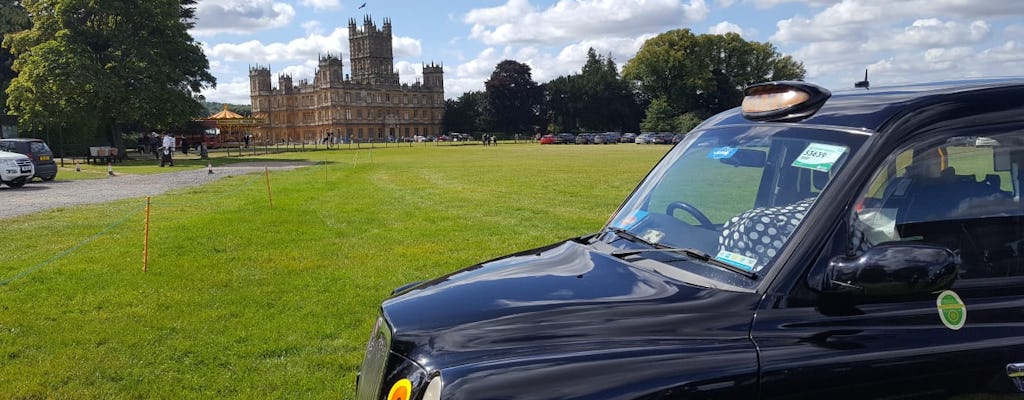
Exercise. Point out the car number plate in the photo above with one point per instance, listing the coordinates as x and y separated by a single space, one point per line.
44 158
26 169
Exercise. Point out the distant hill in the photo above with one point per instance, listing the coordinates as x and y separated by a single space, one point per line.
215 107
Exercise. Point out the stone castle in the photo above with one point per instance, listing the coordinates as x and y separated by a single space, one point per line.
369 105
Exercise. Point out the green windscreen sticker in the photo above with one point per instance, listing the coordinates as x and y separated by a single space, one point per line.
819 157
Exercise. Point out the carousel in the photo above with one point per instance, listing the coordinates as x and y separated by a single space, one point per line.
231 129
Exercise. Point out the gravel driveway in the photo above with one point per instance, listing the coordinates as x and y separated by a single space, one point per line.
38 196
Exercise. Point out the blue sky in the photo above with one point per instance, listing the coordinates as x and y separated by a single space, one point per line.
897 40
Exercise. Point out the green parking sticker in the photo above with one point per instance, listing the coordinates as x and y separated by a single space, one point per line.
952 310
819 157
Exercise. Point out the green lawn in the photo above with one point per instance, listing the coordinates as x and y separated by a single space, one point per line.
245 300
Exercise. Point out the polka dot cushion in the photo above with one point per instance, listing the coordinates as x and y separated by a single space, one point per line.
761 232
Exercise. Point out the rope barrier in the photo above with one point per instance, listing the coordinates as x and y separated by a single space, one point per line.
72 249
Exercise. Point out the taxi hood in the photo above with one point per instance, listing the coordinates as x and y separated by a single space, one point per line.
567 297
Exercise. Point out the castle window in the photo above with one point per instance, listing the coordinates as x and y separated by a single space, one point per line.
348 114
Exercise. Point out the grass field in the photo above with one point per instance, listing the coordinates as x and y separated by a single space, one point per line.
247 300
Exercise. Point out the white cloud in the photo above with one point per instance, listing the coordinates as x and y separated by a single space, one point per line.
301 49
925 33
322 4
312 27
852 19
406 47
517 22
240 16
726 27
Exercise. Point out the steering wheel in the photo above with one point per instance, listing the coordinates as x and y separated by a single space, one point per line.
690 209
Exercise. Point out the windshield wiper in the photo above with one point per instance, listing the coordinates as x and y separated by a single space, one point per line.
692 253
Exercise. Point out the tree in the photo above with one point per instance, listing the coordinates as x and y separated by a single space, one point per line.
596 99
108 64
660 117
465 114
705 74
13 18
513 98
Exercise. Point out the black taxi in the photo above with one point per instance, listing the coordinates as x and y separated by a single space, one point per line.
867 243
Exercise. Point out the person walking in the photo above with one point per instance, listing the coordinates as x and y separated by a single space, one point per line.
167 150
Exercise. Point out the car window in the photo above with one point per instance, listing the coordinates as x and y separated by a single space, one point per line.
963 193
38 147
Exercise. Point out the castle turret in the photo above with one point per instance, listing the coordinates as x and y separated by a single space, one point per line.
329 72
433 76
259 80
371 57
284 83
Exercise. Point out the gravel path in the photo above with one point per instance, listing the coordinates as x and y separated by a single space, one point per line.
38 196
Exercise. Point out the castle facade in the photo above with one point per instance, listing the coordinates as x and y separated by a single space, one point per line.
368 105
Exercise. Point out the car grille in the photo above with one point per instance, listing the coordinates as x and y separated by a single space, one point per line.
372 371
24 162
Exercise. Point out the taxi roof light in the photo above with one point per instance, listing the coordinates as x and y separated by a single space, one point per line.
782 100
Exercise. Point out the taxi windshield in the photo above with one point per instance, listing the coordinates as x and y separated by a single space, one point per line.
732 195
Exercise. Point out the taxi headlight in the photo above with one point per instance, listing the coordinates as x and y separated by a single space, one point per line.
433 391
402 390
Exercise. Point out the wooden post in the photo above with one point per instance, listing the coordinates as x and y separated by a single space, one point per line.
270 197
145 240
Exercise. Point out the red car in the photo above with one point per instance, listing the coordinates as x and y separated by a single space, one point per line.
547 139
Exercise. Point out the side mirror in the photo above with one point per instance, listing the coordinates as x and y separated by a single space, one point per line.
894 269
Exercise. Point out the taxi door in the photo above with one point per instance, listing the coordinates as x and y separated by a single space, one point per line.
959 192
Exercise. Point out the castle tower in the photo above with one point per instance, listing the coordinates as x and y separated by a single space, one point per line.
329 72
259 81
284 83
370 54
433 76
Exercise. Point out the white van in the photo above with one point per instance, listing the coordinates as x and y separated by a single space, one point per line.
15 169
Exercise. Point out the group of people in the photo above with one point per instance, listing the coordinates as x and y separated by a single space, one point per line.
162 146
489 140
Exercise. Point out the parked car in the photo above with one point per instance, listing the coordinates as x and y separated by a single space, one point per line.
661 138
15 169
547 139
584 138
627 138
565 138
643 138
36 150
678 138
612 137
805 245
599 138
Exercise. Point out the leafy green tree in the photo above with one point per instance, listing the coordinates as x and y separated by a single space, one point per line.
466 114
513 98
660 117
13 18
705 74
596 99
686 122
108 64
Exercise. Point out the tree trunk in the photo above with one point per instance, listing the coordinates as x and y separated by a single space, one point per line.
117 139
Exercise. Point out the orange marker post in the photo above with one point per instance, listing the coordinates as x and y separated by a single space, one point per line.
270 197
